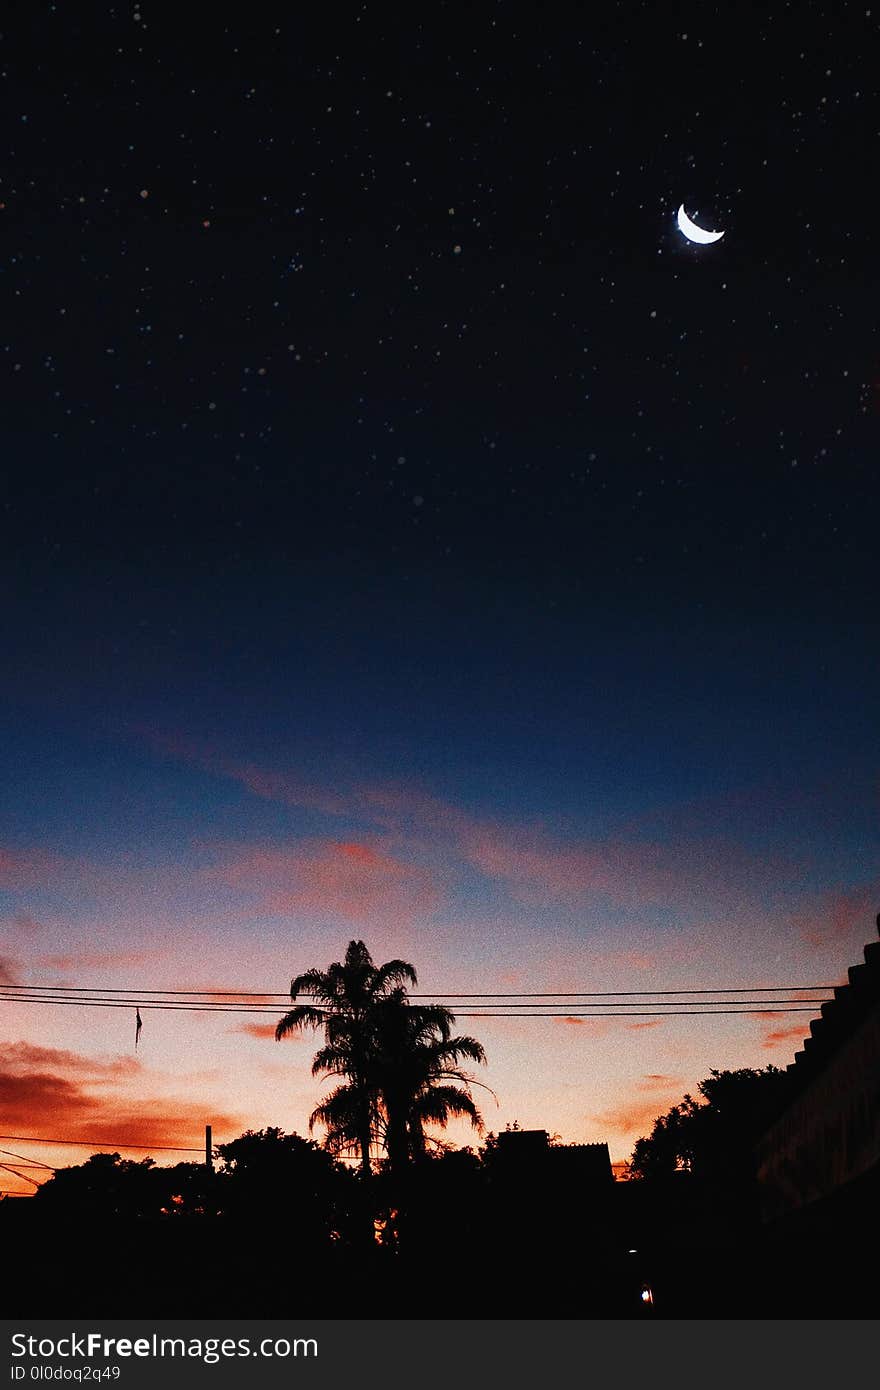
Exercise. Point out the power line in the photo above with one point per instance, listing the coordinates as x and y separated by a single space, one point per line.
41 1167
157 1002
646 1013
24 1164
196 993
704 1009
102 1144
152 1004
174 1006
7 1168
436 994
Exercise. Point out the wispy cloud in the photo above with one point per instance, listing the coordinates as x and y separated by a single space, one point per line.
532 864
270 784
632 1118
264 1030
224 995
23 1055
56 1094
836 915
782 1037
351 880
596 1027
599 1027
388 806
637 1115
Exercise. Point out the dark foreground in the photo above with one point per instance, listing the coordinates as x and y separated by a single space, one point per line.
508 1264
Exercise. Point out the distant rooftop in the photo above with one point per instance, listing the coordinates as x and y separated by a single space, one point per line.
524 1140
591 1162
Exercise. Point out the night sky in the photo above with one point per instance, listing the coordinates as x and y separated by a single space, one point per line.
407 534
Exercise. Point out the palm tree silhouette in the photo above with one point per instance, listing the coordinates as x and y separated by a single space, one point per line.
418 1076
347 995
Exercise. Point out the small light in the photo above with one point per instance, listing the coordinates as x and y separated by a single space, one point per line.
647 1296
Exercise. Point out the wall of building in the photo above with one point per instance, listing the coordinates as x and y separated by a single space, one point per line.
830 1133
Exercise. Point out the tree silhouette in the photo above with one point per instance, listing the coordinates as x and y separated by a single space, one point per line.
346 997
107 1186
418 1076
714 1138
398 1064
269 1178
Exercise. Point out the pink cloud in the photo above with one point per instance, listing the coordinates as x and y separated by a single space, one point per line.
264 1030
638 1115
20 1055
59 1094
347 879
224 995
596 1027
272 785
600 1026
535 867
780 1037
839 914
632 1117
391 806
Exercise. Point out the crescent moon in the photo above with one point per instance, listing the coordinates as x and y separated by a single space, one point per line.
692 231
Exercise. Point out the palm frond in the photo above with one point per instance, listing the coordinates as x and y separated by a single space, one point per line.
441 1102
454 1049
303 1016
312 982
395 972
357 957
338 1113
332 1060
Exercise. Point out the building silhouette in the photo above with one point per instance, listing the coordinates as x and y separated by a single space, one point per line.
521 1150
819 1162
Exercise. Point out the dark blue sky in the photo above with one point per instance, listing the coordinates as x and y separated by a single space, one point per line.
405 532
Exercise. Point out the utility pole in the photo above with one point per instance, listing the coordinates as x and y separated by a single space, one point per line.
209 1150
